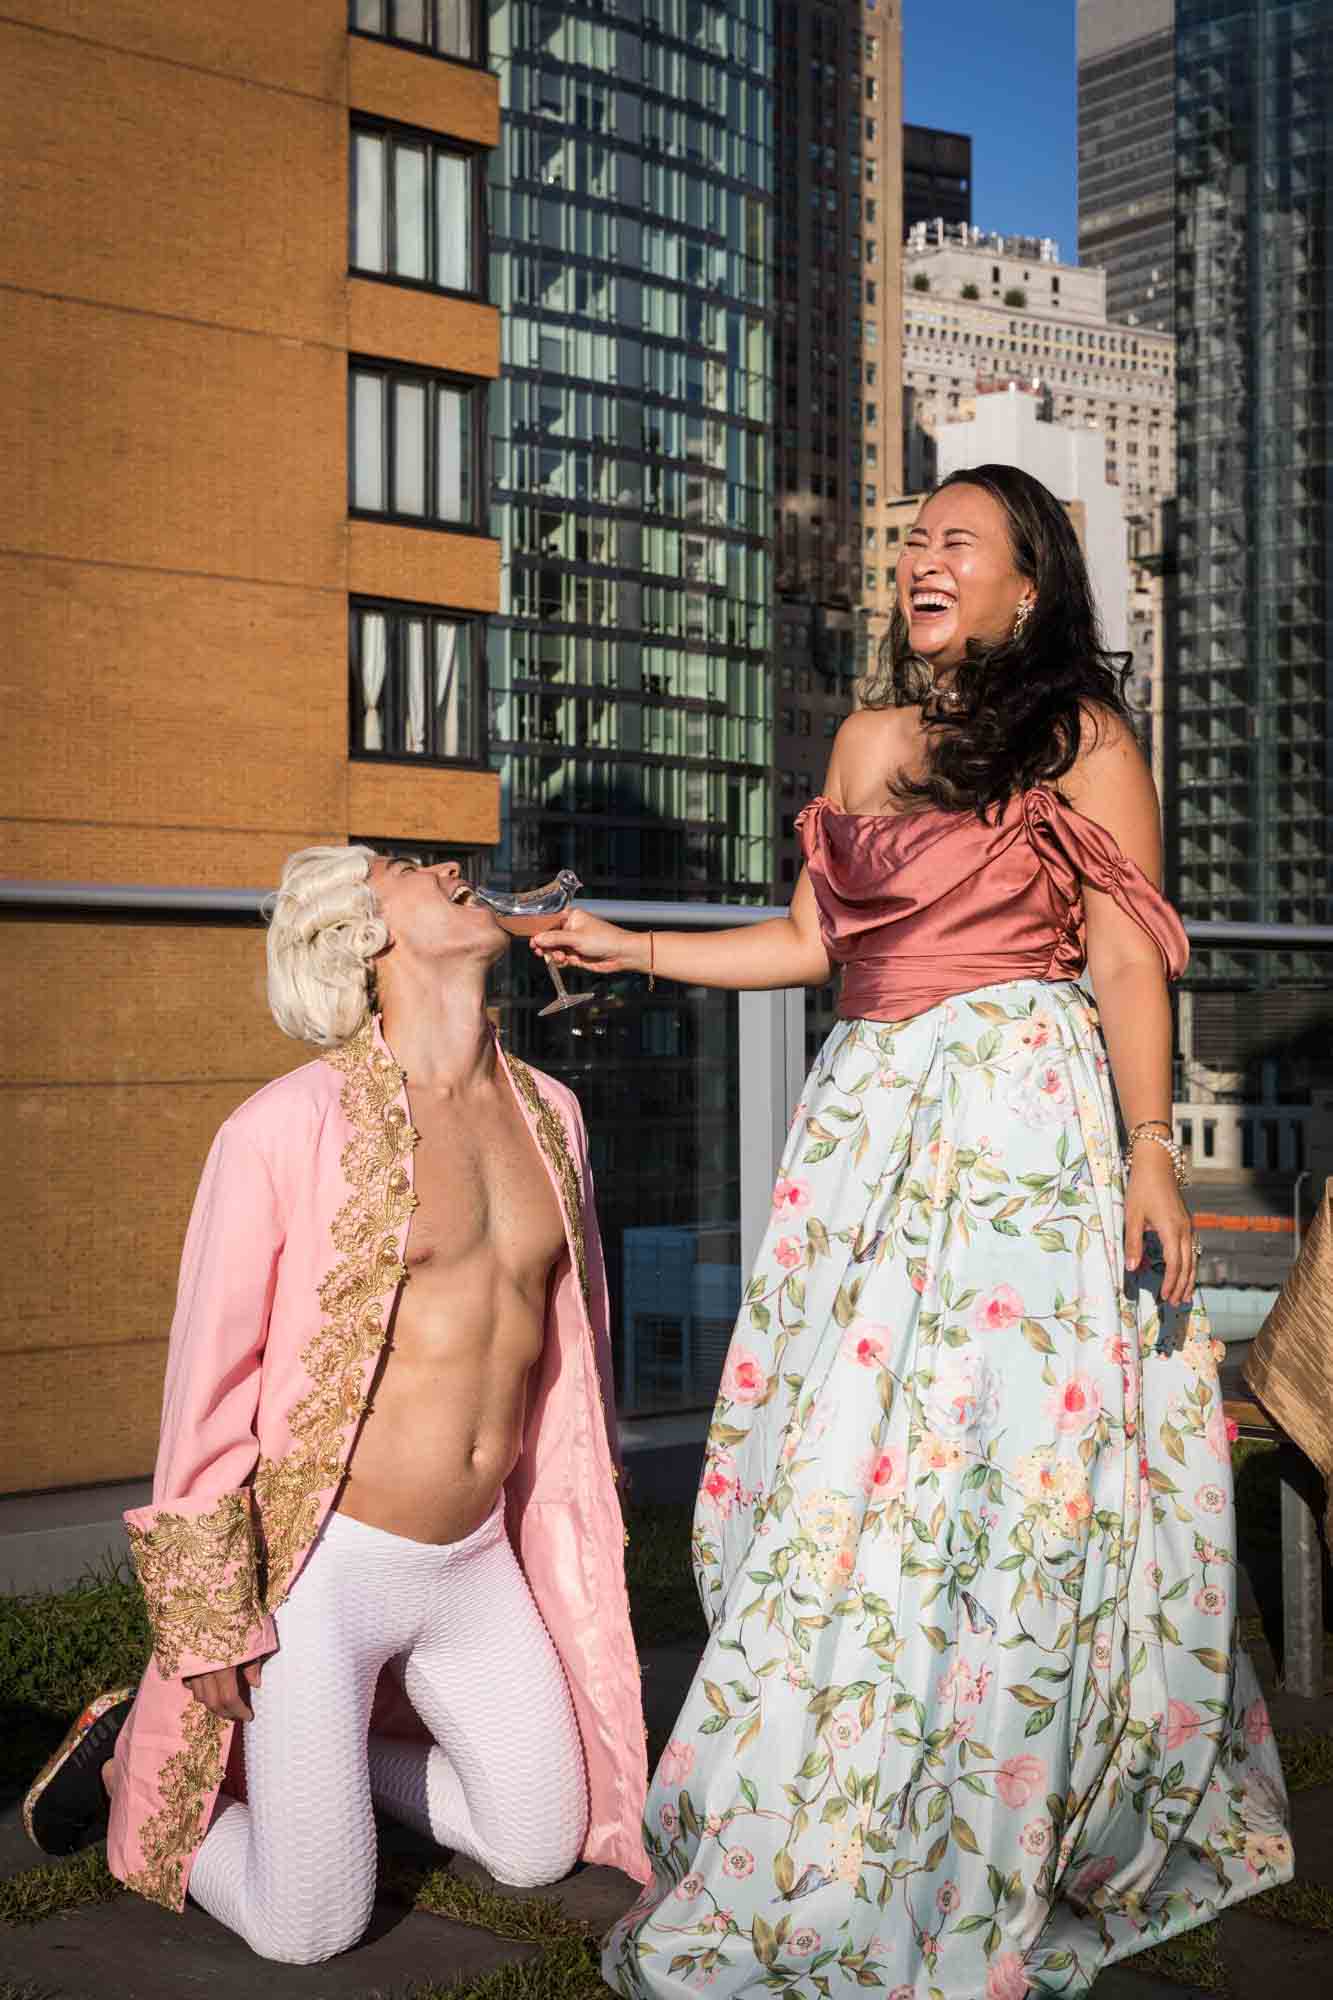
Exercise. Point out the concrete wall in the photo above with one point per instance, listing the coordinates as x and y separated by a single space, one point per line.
177 566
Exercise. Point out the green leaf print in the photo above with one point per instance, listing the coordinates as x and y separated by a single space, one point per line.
813 1154
1036 1336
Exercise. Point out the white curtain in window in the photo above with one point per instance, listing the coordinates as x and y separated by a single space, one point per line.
452 497
448 706
455 27
374 661
416 688
453 222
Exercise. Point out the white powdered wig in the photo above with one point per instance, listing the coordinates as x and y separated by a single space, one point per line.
323 932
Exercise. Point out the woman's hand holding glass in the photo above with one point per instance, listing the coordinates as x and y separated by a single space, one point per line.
592 945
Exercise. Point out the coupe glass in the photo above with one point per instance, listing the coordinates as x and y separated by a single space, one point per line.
525 914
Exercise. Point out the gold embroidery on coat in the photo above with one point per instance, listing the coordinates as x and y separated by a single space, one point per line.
187 1783
199 1578
366 1230
555 1144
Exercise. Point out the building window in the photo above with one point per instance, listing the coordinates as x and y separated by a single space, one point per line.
872 579
415 210
443 27
413 446
415 683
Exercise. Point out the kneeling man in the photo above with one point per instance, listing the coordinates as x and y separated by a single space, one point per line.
385 1537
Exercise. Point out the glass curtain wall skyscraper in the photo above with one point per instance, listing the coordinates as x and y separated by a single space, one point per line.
631 709
1249 795
1126 146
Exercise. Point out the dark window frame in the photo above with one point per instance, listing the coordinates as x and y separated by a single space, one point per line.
431 378
397 608
436 142
479 59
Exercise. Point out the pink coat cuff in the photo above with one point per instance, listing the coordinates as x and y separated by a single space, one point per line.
197 1562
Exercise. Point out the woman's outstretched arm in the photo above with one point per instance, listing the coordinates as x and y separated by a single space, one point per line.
784 951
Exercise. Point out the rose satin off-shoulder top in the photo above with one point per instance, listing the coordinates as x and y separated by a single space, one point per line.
920 906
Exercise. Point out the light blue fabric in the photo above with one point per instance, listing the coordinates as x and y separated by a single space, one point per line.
971 1719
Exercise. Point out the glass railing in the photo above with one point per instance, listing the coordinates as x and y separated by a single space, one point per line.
669 1078
1253 1110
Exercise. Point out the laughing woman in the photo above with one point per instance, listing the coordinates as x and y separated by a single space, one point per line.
971 1718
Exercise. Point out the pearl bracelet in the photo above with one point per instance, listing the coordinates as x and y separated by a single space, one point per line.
1158 1139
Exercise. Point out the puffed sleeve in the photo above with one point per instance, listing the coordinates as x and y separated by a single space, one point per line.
195 1547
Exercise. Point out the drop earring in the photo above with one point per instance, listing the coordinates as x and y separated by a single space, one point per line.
1021 616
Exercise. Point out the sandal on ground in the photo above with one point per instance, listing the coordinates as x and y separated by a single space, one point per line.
67 1805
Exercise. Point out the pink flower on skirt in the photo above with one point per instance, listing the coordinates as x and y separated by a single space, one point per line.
720 1485
803 1943
1258 1728
948 1896
1210 1499
677 1762
867 1343
1093 1877
1006 1979
1036 1836
1183 1724
791 1195
738 1863
883 1474
1074 1405
1210 1600
1020 1779
1216 1436
744 1379
689 1887
1001 1308
788 1252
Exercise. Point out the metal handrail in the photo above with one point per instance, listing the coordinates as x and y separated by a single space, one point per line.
126 897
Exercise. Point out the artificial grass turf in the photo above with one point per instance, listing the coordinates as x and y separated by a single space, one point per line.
55 1888
568 1971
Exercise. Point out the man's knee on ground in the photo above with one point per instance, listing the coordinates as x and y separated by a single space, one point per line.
545 1856
307 1937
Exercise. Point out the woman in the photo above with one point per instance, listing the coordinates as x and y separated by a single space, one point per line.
971 1718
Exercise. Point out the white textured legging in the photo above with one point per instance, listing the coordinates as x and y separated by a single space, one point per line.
293 1869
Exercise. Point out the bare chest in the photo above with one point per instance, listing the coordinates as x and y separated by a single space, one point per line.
482 1189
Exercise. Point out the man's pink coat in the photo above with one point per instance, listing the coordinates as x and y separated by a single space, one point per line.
293 1261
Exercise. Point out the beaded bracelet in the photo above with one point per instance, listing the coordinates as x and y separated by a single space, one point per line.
1158 1139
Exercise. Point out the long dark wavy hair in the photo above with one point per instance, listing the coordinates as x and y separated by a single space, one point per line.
1024 701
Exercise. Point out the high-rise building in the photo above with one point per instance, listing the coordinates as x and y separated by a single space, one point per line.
1251 699
1126 155
246 348
937 176
631 667
630 678
838 421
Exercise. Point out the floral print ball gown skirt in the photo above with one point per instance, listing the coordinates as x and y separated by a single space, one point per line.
971 1719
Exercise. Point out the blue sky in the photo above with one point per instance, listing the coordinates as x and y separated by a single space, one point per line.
1007 75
